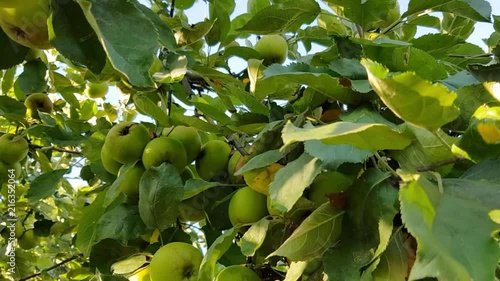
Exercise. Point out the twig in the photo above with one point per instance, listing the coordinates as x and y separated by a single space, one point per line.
172 8
470 56
44 148
236 145
435 165
50 268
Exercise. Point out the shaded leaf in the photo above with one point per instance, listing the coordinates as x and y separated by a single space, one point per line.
44 185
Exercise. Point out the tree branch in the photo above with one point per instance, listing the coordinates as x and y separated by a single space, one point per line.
232 140
44 148
50 268
172 8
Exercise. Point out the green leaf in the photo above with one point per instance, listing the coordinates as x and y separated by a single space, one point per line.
486 170
254 237
11 108
11 53
318 232
288 16
165 34
8 79
367 14
45 185
32 79
262 160
412 99
469 98
73 37
332 156
367 136
222 23
276 76
457 26
366 228
451 247
437 45
148 107
459 80
214 253
485 73
132 55
160 193
290 182
186 37
479 10
114 190
122 223
196 186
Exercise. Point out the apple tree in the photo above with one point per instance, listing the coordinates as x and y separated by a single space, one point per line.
262 139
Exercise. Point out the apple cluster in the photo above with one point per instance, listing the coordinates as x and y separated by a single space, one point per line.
36 103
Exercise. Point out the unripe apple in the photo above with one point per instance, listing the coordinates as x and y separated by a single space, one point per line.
235 163
28 240
272 48
328 183
25 22
211 163
126 141
175 261
237 273
130 183
189 137
12 148
164 150
247 206
96 90
7 171
110 164
38 102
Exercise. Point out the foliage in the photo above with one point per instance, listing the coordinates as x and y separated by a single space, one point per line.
412 121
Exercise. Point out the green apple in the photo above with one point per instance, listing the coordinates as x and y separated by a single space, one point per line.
126 141
28 240
247 206
237 273
25 22
175 261
96 90
164 150
141 275
235 163
189 137
13 148
110 164
7 170
211 163
328 183
34 54
132 177
38 102
272 48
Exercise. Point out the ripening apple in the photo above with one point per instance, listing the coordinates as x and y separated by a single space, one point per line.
130 183
189 137
237 273
38 102
175 261
247 206
211 163
272 48
328 183
110 164
25 22
164 150
260 179
126 141
13 148
96 90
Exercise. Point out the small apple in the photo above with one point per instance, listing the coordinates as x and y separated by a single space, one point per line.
38 102
110 164
272 48
189 137
175 261
247 206
96 90
130 183
25 22
237 273
235 163
164 150
126 141
260 179
7 170
13 148
28 240
141 275
211 163
328 183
